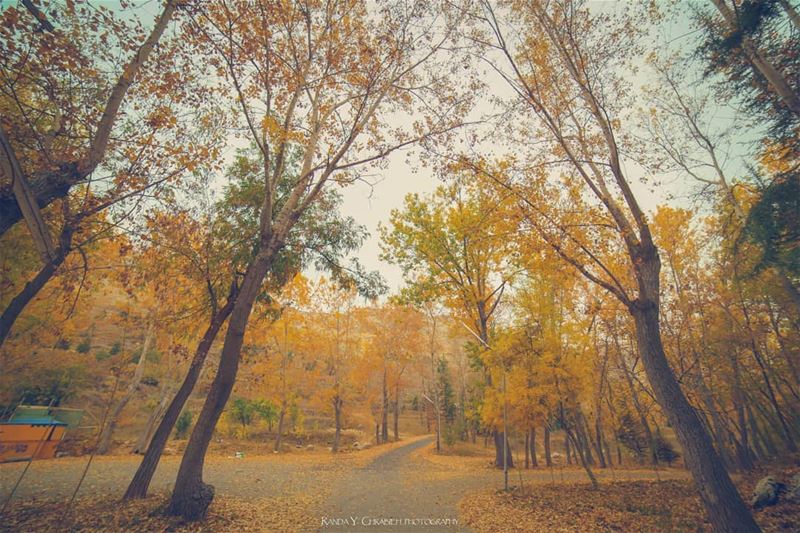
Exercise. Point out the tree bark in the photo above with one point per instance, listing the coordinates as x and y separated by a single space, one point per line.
191 497
580 456
144 474
567 451
547 457
108 431
385 410
396 421
498 447
727 511
527 449
279 436
534 459
337 415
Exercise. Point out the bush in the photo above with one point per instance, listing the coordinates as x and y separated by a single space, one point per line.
102 355
241 411
183 424
85 345
63 344
115 349
665 451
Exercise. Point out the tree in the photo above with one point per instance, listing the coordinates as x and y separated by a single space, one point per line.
570 73
211 249
307 80
455 245
49 151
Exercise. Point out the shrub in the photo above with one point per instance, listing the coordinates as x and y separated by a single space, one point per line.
63 344
665 451
183 424
85 345
241 411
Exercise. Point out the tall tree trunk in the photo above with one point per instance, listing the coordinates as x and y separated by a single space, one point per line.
744 455
570 437
108 431
396 421
498 448
191 497
534 459
31 289
548 459
648 432
584 437
598 431
567 450
279 436
727 511
337 415
144 474
385 410
527 450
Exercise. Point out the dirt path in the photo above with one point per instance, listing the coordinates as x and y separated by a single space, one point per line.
399 492
401 487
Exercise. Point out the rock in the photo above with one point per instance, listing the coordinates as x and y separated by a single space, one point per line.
793 488
356 445
310 447
766 492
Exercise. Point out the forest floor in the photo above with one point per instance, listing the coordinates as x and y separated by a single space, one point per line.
397 487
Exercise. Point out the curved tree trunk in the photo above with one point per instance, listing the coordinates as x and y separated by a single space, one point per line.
32 288
723 503
191 496
144 474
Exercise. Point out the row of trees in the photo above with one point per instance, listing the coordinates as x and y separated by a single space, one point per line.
111 152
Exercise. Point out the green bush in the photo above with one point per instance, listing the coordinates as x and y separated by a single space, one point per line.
241 411
267 410
102 355
115 349
85 345
183 424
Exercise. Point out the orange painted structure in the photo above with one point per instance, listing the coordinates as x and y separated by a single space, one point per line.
25 439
